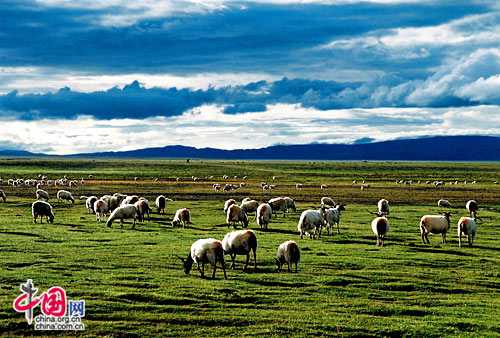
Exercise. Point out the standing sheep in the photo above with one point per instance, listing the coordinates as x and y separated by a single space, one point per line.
380 227
249 206
235 214
472 207
467 226
203 251
89 203
240 242
228 203
42 195
100 209
42 209
444 203
289 253
161 204
121 213
264 214
435 224
383 207
182 216
310 223
332 217
143 209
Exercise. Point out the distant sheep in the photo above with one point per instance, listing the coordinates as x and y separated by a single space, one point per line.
123 212
299 186
240 242
380 227
65 196
100 209
383 207
444 203
235 214
3 196
467 226
323 187
182 216
264 214
42 195
42 209
472 207
435 224
289 253
310 223
203 251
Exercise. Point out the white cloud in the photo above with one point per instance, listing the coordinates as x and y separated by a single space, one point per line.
208 126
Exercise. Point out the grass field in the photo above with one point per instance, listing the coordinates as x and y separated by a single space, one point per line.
134 285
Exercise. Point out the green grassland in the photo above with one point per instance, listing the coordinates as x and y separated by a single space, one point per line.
134 285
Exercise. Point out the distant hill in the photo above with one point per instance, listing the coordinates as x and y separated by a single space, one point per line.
15 153
442 148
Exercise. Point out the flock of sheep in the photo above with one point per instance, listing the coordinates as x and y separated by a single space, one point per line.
244 242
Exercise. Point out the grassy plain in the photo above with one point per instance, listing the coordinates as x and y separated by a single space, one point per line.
133 283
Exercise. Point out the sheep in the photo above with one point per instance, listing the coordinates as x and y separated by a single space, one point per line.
467 226
444 203
228 203
332 216
216 186
436 224
264 214
207 250
364 186
42 209
245 199
289 253
299 186
42 195
89 203
161 204
129 200
240 242
380 227
101 209
310 223
121 213
327 201
282 204
143 209
65 195
114 201
249 206
3 196
323 187
472 208
182 216
383 207
236 214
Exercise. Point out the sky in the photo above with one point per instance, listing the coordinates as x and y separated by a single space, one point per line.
92 75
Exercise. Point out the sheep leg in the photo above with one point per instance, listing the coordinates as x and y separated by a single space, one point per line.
233 263
443 237
214 267
469 239
460 240
338 227
289 270
254 260
246 262
296 268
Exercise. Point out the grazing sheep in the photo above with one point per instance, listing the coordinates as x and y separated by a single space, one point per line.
216 186
42 195
249 206
282 204
435 224
101 209
299 186
3 196
161 204
264 214
114 201
182 216
383 207
289 253
467 226
65 195
380 227
364 186
123 212
472 208
203 251
143 209
228 203
89 203
245 199
444 203
235 214
310 223
240 242
332 217
129 200
327 201
323 187
42 209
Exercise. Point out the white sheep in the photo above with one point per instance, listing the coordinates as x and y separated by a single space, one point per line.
323 187
289 253
161 204
203 251
472 208
123 212
299 186
3 196
42 195
100 208
380 227
129 200
444 203
143 209
310 223
467 226
435 224
89 203
327 201
228 203
240 242
383 207
249 206
42 209
182 216
332 217
264 214
235 214
282 204
65 195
